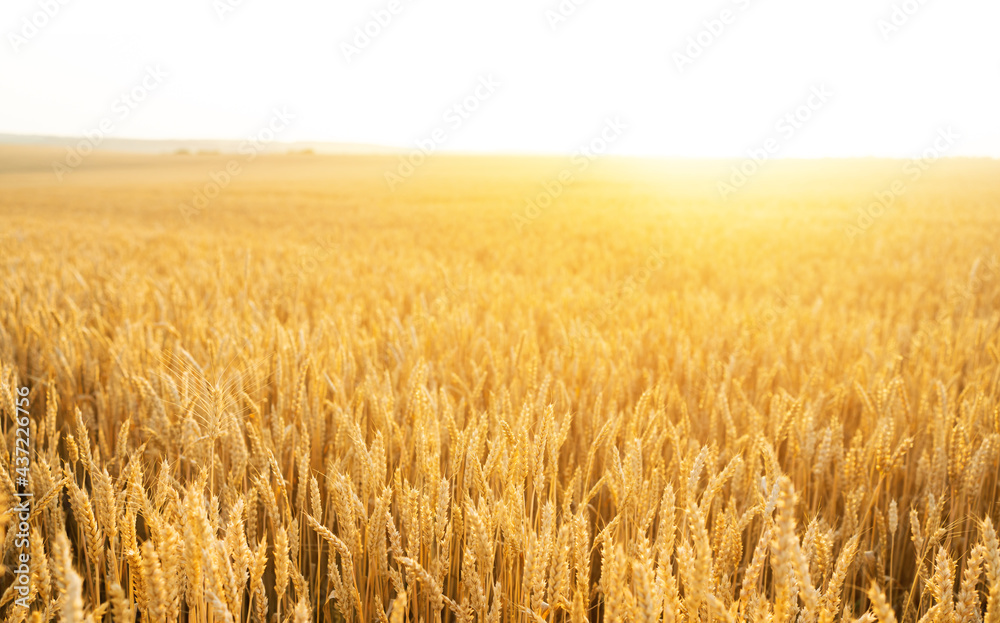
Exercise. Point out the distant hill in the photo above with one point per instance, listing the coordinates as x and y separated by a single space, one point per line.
145 146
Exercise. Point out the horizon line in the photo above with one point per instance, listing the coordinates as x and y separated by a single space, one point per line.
217 146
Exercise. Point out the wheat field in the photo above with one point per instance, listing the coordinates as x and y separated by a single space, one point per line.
317 399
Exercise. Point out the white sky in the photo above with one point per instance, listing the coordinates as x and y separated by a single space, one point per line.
557 87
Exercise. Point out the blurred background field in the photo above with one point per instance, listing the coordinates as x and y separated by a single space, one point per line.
643 381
